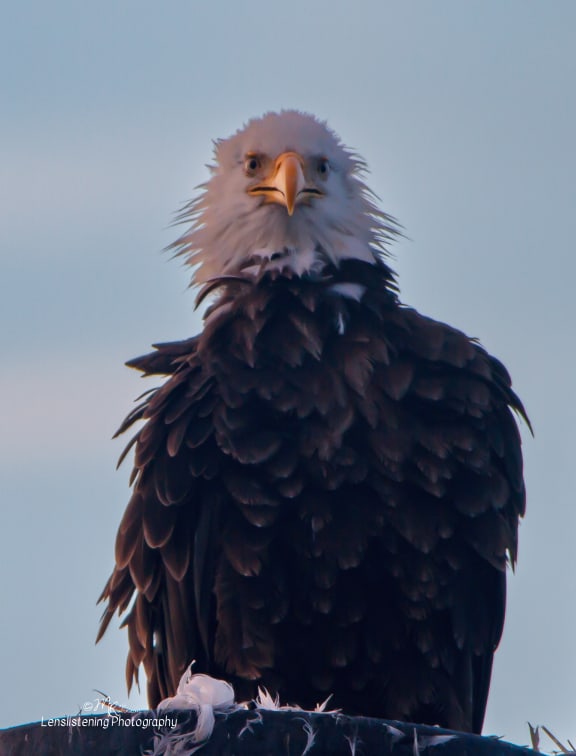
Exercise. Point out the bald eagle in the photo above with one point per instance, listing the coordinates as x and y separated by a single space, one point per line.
327 486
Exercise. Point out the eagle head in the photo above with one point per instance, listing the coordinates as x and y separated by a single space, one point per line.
284 194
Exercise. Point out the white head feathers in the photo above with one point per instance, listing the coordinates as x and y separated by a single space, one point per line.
243 218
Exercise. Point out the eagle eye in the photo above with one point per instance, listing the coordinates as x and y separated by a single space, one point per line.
251 164
323 167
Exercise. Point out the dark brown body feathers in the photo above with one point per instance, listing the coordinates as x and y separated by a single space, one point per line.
325 495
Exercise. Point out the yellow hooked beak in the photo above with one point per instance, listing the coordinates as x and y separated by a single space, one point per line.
287 184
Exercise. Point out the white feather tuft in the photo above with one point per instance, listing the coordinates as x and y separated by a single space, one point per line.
320 708
265 700
353 743
349 290
250 724
204 695
310 736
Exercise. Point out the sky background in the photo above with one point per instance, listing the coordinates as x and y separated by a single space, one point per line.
466 114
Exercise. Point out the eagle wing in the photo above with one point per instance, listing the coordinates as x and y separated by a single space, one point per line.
166 537
461 461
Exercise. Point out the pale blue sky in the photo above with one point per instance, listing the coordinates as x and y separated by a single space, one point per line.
466 114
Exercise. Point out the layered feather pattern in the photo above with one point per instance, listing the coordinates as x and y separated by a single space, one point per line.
326 495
